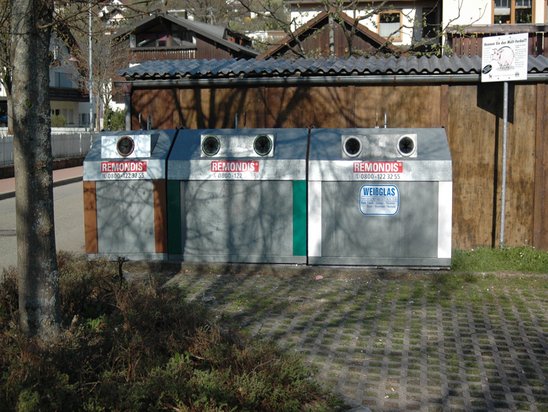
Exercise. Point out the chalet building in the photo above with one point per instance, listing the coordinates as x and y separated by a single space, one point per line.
69 99
331 33
402 22
166 37
406 22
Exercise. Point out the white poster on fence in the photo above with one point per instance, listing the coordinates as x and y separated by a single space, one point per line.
504 58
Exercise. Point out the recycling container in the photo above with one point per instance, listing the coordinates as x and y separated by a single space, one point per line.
379 197
125 194
238 195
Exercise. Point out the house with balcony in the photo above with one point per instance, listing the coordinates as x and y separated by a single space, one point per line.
481 18
69 99
402 22
489 12
166 37
406 23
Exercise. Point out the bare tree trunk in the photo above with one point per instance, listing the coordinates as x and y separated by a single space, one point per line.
36 259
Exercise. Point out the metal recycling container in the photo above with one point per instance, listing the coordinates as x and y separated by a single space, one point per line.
125 194
238 195
379 197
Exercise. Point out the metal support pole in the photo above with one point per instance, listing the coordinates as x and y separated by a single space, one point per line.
504 155
90 89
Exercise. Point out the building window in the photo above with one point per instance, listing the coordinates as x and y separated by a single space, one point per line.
513 11
390 25
84 119
161 37
61 80
430 21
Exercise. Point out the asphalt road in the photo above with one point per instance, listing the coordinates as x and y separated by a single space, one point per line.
69 223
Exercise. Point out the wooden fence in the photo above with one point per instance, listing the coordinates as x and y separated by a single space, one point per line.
471 114
469 41
472 45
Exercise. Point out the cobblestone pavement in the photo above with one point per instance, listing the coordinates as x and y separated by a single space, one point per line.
405 341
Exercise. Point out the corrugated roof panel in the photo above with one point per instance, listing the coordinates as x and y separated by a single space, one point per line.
315 67
538 64
232 68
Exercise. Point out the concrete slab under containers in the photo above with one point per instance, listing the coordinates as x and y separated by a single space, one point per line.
379 197
238 195
125 194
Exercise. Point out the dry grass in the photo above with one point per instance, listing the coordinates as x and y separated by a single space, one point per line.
136 346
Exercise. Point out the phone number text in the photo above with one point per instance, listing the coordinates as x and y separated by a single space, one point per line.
123 175
377 176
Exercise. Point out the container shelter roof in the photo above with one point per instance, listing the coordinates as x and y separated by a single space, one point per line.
337 67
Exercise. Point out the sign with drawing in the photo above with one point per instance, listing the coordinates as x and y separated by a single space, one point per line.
504 58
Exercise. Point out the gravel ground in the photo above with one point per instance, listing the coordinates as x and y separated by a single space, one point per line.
395 340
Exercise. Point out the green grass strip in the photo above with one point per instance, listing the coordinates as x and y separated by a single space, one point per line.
512 259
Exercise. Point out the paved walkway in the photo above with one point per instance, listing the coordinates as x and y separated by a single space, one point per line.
407 341
60 176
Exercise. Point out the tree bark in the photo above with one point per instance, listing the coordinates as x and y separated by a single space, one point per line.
36 256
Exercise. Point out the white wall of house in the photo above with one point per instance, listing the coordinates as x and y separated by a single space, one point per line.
69 111
541 11
400 33
480 12
466 12
301 16
76 114
117 106
83 114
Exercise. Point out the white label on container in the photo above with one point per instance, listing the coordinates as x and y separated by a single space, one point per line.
124 170
379 200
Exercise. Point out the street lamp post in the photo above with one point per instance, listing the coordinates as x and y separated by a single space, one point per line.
90 89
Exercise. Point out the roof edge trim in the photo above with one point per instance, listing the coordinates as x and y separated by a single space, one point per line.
323 80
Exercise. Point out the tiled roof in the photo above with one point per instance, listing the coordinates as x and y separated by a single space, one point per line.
215 33
364 66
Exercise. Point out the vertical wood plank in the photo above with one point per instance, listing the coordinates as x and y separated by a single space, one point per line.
90 217
444 105
540 219
472 136
521 168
